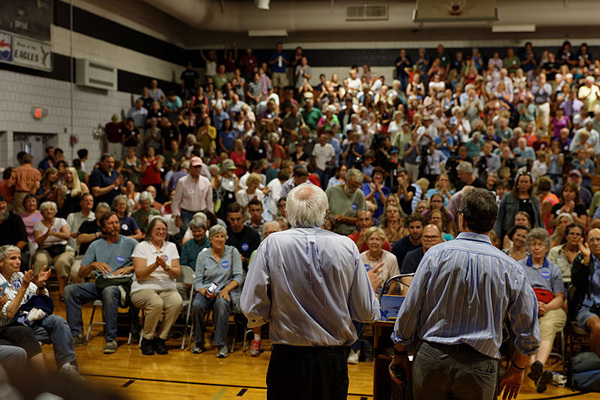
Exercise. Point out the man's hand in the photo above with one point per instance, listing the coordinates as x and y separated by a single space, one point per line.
584 248
178 221
542 309
120 271
102 267
375 276
401 366
511 383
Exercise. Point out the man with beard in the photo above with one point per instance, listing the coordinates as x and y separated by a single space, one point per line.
414 223
346 201
110 256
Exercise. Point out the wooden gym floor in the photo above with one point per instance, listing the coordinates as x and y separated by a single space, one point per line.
183 375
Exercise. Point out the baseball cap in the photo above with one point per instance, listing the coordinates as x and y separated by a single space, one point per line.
575 172
196 162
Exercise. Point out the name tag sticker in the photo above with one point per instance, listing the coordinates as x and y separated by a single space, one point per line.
367 267
35 218
124 227
354 206
191 191
120 259
245 246
225 264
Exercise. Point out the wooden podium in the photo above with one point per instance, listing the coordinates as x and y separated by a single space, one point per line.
383 386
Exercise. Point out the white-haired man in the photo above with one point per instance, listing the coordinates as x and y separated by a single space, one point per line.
293 274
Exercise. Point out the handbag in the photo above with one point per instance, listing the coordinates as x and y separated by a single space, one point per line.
56 250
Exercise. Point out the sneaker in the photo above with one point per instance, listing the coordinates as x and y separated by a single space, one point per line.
256 346
147 347
222 353
197 349
353 356
543 382
160 347
537 368
79 340
110 347
71 372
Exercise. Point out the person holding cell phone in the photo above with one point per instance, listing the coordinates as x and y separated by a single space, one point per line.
218 271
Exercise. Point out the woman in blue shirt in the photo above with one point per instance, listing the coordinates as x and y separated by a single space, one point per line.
218 271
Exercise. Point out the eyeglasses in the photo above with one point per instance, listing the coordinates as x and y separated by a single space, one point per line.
575 234
430 237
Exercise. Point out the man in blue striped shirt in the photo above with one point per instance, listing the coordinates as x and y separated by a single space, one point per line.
461 293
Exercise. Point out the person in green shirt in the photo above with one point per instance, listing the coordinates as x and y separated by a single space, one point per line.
142 215
311 115
511 62
346 201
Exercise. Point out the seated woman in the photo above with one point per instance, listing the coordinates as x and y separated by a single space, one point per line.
558 235
156 266
142 215
517 251
546 280
392 224
521 219
438 218
129 227
563 255
218 271
52 235
69 193
20 289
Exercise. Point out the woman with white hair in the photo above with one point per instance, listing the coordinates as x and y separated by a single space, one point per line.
156 266
546 279
143 214
23 292
52 235
218 271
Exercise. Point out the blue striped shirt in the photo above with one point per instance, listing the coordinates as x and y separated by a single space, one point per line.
309 284
462 292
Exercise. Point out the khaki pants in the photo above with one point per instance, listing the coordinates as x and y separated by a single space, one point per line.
279 79
62 262
553 322
75 267
153 303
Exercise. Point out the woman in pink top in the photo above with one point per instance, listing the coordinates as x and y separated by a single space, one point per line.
30 214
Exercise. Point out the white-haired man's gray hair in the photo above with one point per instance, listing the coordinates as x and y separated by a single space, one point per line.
47 204
354 173
463 166
307 206
146 196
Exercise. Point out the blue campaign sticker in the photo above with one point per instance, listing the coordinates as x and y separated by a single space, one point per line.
17 284
166 257
545 274
245 246
34 219
367 267
120 259
354 206
225 264
54 229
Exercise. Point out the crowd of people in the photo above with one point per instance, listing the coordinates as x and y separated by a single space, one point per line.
199 176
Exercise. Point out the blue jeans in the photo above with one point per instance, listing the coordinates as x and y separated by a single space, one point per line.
81 293
58 330
221 308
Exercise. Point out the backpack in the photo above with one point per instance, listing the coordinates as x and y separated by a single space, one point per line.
583 372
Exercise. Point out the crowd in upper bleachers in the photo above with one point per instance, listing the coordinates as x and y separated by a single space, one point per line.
394 158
